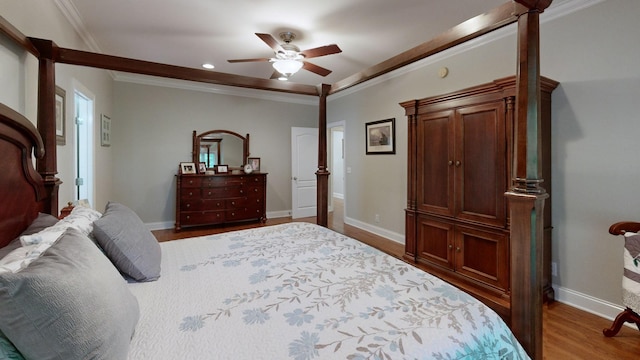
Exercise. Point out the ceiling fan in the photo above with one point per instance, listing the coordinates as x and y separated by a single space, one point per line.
288 57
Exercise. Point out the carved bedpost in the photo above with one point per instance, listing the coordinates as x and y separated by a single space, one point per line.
47 166
322 175
526 197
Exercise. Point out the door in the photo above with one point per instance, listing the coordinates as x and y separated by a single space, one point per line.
480 163
83 115
436 167
304 164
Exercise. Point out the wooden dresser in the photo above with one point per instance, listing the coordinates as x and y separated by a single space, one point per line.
217 199
459 167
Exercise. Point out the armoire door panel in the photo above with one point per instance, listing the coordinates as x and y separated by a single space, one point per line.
435 241
483 255
480 173
434 167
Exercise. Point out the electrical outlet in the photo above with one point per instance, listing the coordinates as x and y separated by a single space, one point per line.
377 219
554 269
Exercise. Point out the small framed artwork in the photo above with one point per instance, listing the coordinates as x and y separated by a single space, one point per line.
61 111
187 168
202 168
380 137
255 164
105 130
222 169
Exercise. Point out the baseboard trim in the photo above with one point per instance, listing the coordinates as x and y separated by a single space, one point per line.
396 237
588 303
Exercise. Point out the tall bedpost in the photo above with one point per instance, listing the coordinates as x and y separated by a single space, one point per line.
47 166
322 175
526 197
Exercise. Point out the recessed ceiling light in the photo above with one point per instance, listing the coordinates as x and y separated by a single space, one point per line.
208 66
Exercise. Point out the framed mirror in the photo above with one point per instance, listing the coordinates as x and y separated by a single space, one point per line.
220 147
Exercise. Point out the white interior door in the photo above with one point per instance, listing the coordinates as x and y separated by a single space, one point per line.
304 164
84 180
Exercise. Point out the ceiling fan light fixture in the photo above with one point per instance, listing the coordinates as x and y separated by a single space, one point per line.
287 67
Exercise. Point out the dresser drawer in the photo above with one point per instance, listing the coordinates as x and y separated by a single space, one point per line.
190 194
214 181
202 217
223 192
235 203
255 190
191 182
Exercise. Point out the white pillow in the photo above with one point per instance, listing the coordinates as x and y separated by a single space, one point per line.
21 257
81 218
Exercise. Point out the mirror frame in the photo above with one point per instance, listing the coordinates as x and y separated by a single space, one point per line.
195 153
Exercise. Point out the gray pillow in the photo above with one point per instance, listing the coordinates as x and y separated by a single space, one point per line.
71 303
128 243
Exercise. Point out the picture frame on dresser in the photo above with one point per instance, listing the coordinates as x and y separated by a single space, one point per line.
222 169
187 168
202 168
255 163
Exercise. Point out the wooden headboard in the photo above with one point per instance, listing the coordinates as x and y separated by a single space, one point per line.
22 192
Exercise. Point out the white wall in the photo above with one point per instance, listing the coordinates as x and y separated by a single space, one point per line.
152 132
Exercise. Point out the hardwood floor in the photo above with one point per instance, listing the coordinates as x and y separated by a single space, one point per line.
569 333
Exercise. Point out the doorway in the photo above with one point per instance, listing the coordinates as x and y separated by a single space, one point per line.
84 143
336 149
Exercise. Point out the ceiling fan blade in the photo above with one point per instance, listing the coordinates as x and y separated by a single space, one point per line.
248 60
271 41
315 69
321 51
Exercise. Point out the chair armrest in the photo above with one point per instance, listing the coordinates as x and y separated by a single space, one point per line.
620 228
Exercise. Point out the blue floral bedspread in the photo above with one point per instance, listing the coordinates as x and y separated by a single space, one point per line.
301 291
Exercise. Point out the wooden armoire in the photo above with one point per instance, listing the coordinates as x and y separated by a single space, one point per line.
459 167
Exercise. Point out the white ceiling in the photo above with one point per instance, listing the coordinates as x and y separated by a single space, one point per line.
191 32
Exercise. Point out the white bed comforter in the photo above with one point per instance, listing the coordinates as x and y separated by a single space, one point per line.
301 291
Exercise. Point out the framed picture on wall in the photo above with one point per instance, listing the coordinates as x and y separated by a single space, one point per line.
380 137
105 130
61 111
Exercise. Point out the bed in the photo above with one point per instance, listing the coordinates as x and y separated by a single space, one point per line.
290 291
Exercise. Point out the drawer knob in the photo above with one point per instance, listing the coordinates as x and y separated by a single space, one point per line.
458 249
190 181
241 191
188 217
233 203
191 194
188 205
233 214
209 192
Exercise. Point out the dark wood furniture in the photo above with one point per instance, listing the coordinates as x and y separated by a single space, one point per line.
459 168
219 199
627 315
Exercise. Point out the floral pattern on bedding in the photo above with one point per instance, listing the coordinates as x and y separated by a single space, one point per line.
329 296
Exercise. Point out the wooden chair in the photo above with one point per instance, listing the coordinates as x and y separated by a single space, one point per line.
630 297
